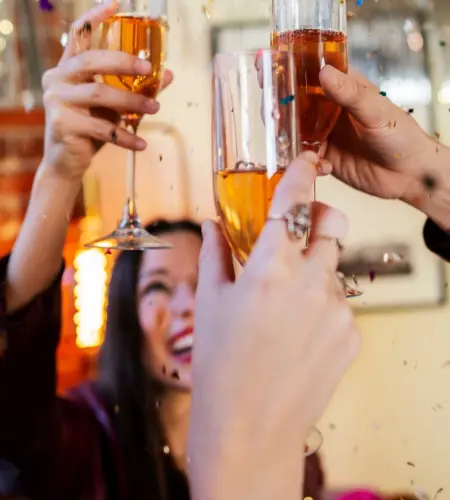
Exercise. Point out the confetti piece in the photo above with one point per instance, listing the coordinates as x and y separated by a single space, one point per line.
207 8
437 135
359 2
175 375
372 275
108 251
438 492
287 99
398 156
87 27
383 93
410 111
160 157
46 5
429 182
114 136
411 464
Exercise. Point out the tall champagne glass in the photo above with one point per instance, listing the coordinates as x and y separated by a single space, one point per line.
251 149
139 28
316 32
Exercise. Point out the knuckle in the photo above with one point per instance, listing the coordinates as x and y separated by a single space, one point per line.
49 98
271 276
96 90
354 91
58 118
47 78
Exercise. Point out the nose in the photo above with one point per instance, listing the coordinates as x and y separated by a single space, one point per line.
183 301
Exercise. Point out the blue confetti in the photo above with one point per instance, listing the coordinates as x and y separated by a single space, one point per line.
46 5
359 2
287 99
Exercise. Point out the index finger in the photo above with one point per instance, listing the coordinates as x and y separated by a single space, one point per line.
357 97
91 20
101 62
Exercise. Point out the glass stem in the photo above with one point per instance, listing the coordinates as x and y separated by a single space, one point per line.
130 218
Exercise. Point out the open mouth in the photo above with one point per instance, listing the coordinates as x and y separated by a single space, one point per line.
181 346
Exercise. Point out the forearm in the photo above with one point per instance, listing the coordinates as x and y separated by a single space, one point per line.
36 257
431 193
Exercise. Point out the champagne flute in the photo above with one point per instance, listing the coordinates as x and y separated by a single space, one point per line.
316 32
250 154
140 28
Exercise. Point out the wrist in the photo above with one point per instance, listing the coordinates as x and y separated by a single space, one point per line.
430 192
241 472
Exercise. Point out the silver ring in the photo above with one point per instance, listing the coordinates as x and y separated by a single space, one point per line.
298 220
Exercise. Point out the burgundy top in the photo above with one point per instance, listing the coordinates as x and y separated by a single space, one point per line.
66 448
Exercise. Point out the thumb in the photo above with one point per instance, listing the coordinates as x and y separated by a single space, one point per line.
357 96
216 263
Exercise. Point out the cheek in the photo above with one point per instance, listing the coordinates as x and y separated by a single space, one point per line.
154 319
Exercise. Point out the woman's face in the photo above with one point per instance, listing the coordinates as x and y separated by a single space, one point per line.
166 294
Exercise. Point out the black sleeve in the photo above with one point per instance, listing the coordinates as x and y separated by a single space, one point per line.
437 240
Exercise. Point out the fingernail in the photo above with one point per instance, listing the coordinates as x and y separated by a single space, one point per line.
140 143
324 167
142 66
151 106
336 77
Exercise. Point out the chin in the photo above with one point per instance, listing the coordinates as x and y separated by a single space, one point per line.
177 377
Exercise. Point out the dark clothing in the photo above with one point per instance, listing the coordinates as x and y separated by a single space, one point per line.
64 448
67 448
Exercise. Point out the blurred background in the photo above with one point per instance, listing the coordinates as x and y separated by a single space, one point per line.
389 424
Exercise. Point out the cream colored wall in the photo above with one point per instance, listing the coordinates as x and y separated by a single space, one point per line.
394 405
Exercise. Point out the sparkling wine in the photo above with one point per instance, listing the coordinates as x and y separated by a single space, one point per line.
313 49
243 198
141 36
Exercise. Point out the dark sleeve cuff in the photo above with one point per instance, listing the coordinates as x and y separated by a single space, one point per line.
437 240
24 327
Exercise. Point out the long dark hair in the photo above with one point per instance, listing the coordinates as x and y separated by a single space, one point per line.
125 382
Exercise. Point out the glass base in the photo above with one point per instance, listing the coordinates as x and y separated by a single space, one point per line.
351 292
314 442
135 238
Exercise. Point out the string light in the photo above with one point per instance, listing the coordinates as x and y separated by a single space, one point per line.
90 297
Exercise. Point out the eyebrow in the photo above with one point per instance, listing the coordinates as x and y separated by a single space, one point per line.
153 272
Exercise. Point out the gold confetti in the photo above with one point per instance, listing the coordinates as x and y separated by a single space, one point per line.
207 8
437 135
398 156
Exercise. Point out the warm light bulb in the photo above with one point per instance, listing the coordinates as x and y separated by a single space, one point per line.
90 297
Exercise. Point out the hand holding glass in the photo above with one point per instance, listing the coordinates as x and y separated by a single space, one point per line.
139 28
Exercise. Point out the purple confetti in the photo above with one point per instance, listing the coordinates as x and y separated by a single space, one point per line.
46 5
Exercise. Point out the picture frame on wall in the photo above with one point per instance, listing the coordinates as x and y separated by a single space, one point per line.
384 252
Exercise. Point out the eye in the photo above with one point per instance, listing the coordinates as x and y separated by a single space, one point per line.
157 286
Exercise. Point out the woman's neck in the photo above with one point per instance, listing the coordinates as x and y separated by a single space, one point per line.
174 411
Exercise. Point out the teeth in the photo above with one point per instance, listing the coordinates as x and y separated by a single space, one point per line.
183 343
